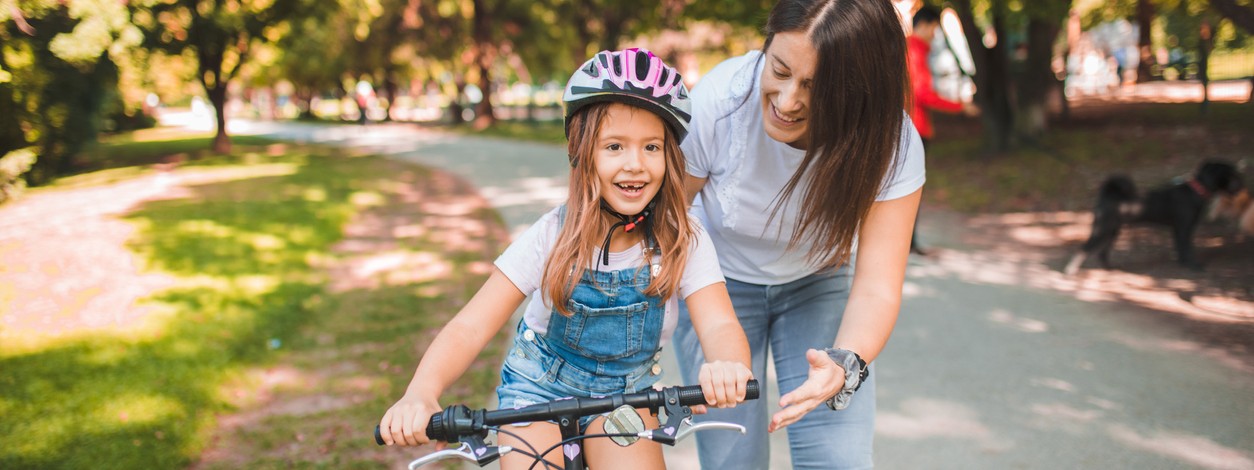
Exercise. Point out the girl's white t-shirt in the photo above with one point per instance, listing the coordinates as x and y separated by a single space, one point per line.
745 170
523 263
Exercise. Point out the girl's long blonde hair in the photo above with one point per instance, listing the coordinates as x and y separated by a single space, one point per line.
586 223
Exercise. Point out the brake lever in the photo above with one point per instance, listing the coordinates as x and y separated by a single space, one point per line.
481 455
665 434
707 426
676 416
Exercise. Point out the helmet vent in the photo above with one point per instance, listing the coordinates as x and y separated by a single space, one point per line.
642 66
592 70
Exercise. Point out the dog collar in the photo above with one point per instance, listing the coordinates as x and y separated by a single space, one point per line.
1198 188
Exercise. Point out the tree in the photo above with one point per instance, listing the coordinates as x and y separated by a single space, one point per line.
1144 43
222 33
56 77
1012 103
315 32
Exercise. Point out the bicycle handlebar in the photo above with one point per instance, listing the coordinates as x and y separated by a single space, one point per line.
457 421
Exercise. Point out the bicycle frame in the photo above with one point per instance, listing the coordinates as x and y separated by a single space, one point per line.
458 423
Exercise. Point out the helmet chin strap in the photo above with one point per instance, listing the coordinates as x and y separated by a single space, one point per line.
628 223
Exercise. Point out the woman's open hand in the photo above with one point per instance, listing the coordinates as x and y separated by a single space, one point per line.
825 380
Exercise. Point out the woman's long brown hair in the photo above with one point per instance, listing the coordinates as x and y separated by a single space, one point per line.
586 223
856 113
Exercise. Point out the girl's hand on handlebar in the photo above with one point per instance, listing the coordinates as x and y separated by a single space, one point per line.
405 423
724 383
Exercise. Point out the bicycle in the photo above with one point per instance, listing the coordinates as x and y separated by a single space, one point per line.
459 424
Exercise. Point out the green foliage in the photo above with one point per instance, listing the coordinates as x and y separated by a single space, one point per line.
59 78
751 13
12 166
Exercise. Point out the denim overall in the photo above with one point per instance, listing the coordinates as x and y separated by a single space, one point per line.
609 344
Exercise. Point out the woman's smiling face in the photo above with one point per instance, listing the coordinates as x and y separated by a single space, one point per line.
787 78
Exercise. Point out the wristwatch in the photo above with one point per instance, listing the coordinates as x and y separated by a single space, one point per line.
855 373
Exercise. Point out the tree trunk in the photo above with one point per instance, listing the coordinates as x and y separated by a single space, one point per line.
1037 80
584 14
215 87
613 25
992 79
1204 46
1144 46
485 53
209 57
455 105
303 96
389 88
217 97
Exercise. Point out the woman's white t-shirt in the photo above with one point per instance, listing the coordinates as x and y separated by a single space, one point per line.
745 170
523 263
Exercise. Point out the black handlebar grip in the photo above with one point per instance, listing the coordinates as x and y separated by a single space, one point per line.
752 390
435 427
378 437
692 395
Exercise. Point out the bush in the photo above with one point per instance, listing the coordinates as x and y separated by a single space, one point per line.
12 166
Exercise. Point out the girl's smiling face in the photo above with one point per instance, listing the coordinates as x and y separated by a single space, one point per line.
630 157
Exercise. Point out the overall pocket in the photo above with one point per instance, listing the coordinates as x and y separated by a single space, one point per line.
527 361
605 334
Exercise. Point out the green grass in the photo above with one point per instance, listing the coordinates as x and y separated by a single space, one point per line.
119 157
153 146
1152 143
249 294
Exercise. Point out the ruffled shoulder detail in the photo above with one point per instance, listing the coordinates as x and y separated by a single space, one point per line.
741 96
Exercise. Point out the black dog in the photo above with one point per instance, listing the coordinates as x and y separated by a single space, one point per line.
1179 206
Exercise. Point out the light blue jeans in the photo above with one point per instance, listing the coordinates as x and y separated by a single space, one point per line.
788 319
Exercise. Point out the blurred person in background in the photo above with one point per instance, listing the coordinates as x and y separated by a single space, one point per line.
925 24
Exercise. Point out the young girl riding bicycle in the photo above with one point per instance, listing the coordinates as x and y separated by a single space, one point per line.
605 272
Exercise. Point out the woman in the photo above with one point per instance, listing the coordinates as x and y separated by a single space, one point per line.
802 157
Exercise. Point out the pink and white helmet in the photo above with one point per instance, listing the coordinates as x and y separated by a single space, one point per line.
635 77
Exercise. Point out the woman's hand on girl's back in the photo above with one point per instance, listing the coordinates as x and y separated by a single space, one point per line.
405 423
724 383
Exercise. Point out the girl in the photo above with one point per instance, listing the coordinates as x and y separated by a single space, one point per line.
802 156
606 271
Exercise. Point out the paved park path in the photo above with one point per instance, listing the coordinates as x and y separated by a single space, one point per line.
997 360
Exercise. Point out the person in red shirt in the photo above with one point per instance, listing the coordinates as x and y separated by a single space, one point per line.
918 46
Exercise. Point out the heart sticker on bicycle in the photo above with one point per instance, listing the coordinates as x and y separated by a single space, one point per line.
670 431
571 450
479 452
